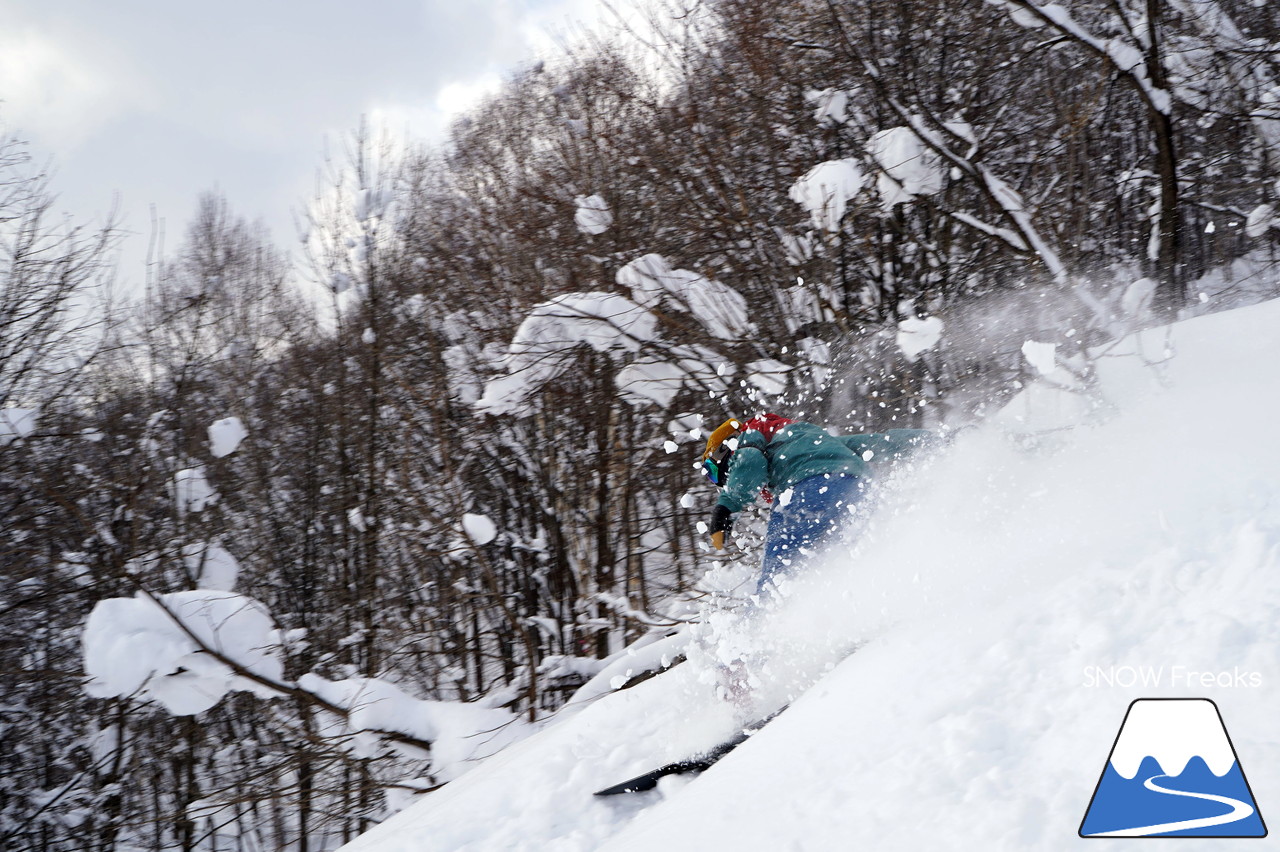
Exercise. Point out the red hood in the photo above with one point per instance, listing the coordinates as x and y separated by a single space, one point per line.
767 424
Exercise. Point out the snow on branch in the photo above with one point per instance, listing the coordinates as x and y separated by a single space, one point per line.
1213 22
719 308
192 491
991 230
825 191
1003 196
188 650
1010 203
544 344
1121 55
185 650
1241 68
657 378
908 168
626 330
1007 199
371 708
16 423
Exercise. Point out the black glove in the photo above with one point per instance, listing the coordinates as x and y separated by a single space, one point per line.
721 519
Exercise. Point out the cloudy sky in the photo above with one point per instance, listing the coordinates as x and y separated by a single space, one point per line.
155 102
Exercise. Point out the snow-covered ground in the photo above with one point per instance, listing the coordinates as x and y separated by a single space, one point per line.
1014 598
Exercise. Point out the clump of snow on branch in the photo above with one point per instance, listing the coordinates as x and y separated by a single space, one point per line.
909 167
341 282
372 203
16 423
768 376
1261 219
460 734
1136 299
721 309
355 517
650 381
830 106
799 248
604 321
192 491
545 342
225 436
1123 55
213 567
151 648
613 324
657 380
593 216
817 353
825 190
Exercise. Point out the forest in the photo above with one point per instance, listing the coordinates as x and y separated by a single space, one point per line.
441 450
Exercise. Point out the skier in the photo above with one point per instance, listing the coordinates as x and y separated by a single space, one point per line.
813 479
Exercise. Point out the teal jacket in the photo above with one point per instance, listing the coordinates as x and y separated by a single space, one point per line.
801 450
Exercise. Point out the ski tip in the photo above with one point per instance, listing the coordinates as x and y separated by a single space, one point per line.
638 785
649 780
693 765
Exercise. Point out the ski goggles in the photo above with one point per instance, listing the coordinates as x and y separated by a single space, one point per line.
715 467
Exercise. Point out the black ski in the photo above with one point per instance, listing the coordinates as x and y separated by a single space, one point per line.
697 763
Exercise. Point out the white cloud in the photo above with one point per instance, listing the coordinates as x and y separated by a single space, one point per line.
157 105
57 92
545 24
460 95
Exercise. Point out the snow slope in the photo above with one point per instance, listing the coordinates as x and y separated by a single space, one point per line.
1011 603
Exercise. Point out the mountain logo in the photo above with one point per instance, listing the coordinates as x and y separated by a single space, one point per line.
1172 772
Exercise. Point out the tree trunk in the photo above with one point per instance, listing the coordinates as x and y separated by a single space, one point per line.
1171 295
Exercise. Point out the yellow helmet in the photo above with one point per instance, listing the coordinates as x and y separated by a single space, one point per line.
723 432
715 459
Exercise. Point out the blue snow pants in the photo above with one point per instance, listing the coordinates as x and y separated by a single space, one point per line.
802 522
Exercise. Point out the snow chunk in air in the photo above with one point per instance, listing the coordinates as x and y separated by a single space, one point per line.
593 216
479 528
917 335
225 436
1040 355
